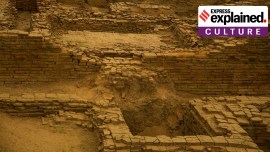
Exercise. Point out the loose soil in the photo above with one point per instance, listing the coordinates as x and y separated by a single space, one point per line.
155 118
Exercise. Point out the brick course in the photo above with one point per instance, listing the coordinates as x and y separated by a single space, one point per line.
234 70
27 58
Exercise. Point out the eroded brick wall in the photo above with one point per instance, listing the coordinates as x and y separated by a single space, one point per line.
123 25
194 123
235 70
41 104
27 58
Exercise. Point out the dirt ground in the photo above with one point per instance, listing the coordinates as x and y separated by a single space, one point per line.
29 135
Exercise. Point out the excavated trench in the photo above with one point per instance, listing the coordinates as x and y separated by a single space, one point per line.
157 118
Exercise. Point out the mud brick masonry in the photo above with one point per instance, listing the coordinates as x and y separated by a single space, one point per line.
236 70
225 123
203 66
29 57
233 73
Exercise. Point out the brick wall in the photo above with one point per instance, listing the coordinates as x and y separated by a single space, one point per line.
101 25
26 5
41 104
7 13
113 133
235 70
27 58
194 123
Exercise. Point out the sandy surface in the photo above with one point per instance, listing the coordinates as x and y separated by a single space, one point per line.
110 40
29 135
